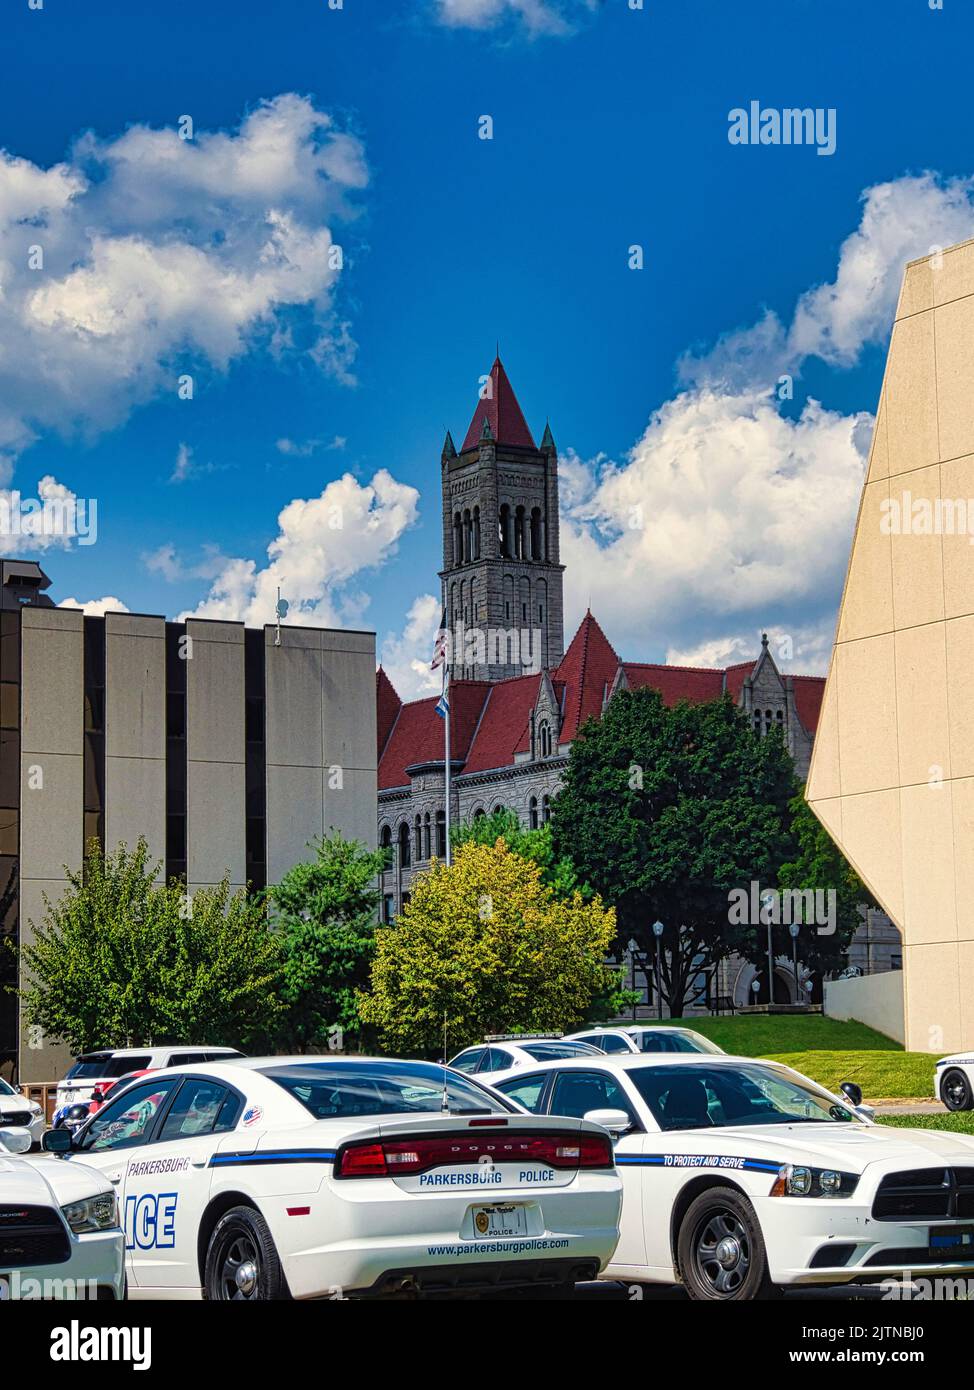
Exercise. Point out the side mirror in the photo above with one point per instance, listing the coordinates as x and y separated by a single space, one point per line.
15 1140
615 1121
852 1092
57 1141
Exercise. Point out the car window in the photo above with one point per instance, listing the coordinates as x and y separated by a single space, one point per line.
185 1059
669 1040
328 1091
195 1110
6 1090
696 1096
526 1090
221 1056
555 1051
497 1059
128 1120
468 1061
611 1042
577 1092
98 1066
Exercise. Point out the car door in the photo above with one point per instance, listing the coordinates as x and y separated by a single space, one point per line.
118 1135
167 1186
576 1092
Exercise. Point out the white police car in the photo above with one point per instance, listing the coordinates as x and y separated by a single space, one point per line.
17 1112
640 1037
741 1176
60 1235
954 1081
317 1177
502 1052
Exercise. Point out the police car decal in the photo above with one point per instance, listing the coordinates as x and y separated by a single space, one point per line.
754 1165
273 1156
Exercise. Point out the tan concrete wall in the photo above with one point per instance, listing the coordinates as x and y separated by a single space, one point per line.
876 1000
892 774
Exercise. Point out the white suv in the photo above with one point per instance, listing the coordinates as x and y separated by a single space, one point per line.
109 1064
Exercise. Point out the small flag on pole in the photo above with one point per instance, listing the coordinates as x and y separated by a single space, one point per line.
439 648
443 705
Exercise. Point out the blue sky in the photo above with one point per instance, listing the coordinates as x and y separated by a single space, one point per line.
699 507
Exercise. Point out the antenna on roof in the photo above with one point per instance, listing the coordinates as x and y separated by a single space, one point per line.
280 609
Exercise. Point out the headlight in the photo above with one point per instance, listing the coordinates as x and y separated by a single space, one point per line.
35 1109
797 1181
93 1214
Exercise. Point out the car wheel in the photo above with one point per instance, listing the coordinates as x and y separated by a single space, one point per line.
721 1250
242 1264
955 1091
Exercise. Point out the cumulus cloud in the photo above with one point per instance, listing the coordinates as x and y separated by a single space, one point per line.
406 655
147 256
95 607
536 17
322 547
53 518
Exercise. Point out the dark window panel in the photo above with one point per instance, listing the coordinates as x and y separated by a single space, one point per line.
175 664
10 647
254 718
175 838
175 715
9 705
94 772
9 768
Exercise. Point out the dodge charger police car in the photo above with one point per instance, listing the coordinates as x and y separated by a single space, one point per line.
313 1177
60 1235
741 1176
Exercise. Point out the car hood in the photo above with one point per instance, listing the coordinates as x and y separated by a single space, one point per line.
47 1181
851 1146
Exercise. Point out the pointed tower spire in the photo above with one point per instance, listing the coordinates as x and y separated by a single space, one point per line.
449 448
499 405
548 440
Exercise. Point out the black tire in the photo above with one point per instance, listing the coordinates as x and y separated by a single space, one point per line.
242 1264
955 1090
721 1251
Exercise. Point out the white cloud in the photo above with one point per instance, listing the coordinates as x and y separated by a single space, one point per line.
55 517
805 651
183 465
406 655
323 545
162 256
304 448
95 607
536 17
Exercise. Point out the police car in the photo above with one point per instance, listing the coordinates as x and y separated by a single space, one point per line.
642 1038
325 1177
741 1176
60 1235
954 1081
502 1052
17 1112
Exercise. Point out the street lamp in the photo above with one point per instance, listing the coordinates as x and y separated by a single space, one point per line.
793 928
767 901
658 932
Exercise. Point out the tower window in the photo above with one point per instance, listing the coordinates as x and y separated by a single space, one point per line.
475 548
457 539
533 813
545 810
504 530
536 545
404 855
441 834
544 738
426 836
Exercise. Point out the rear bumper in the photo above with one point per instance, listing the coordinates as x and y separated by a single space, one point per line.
493 1277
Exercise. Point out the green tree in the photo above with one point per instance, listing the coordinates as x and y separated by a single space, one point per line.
486 946
665 811
817 865
535 845
324 912
122 959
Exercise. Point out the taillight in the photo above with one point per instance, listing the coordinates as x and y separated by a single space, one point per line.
391 1157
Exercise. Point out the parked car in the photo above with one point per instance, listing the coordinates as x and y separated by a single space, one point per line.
16 1111
640 1037
60 1232
92 1069
954 1081
501 1052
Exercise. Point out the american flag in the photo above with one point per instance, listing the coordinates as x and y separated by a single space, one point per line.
439 647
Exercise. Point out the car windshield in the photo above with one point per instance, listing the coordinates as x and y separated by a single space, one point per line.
332 1092
6 1090
715 1097
98 1066
551 1051
670 1040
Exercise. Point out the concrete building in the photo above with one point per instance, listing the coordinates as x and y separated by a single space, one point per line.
227 751
517 698
892 775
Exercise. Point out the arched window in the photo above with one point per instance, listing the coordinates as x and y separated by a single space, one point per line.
404 856
441 834
544 738
385 837
545 810
457 539
536 547
418 839
504 531
426 836
467 526
476 534
779 715
519 534
757 722
533 813
479 812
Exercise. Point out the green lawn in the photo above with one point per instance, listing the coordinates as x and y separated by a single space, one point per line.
825 1049
960 1123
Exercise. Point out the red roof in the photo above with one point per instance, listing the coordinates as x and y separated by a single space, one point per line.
809 691
417 735
387 707
499 405
694 683
735 677
503 729
588 669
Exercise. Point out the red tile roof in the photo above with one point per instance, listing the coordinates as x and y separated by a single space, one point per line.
587 669
693 683
417 736
735 676
503 729
387 707
499 405
809 691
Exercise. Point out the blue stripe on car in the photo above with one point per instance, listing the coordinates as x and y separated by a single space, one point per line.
726 1162
273 1156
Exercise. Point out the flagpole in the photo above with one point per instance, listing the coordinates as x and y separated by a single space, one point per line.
446 758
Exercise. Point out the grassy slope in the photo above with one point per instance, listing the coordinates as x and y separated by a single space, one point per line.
960 1123
825 1049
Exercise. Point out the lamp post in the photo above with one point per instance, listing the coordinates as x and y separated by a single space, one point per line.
633 948
767 899
793 928
658 932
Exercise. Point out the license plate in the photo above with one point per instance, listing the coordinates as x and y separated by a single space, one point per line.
947 1240
490 1222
